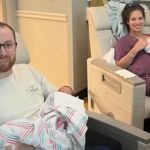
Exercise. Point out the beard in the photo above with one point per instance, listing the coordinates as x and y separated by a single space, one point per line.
6 66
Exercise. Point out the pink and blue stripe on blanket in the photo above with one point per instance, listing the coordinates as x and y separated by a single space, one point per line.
57 127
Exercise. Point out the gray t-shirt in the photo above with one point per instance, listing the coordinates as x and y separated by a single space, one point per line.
22 93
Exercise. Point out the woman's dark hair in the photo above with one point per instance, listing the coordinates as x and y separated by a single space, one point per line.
2 25
126 13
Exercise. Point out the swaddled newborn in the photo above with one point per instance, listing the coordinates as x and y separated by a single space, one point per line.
60 124
147 48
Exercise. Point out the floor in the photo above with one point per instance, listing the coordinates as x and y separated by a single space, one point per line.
83 95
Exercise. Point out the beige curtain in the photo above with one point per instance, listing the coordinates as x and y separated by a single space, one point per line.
10 12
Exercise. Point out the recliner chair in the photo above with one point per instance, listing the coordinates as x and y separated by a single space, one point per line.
109 93
22 54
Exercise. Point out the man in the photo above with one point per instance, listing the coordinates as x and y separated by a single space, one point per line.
22 88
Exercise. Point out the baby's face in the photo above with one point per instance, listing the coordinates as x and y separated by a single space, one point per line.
66 89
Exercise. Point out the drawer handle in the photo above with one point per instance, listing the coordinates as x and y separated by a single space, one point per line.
112 83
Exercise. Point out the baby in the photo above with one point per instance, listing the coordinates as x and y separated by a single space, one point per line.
65 118
66 89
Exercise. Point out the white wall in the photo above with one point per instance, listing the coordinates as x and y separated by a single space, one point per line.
52 6
46 39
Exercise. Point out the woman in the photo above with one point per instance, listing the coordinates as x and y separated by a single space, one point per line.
130 49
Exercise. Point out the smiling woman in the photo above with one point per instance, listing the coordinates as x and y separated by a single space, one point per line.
130 49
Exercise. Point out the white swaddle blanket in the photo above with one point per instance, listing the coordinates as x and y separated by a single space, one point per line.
147 48
60 125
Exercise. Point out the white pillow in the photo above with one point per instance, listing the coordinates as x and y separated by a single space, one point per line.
109 56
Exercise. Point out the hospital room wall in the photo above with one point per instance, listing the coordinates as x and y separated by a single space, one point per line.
55 33
1 11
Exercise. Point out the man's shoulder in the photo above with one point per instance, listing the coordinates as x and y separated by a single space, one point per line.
21 66
25 69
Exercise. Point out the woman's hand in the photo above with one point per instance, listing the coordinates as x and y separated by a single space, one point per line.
126 61
140 45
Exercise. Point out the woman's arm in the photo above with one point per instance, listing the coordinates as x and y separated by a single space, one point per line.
127 60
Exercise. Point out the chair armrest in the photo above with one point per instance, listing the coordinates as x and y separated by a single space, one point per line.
122 98
131 138
112 68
